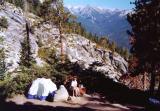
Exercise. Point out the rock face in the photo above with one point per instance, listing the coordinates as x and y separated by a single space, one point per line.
77 48
13 34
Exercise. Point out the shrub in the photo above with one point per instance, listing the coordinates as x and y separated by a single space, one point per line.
18 3
39 42
3 22
21 83
17 85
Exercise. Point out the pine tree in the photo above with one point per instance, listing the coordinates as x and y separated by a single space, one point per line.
45 10
112 46
3 22
2 59
61 19
103 41
26 55
145 37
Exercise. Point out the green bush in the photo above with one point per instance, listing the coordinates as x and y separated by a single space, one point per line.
17 85
3 22
21 83
18 3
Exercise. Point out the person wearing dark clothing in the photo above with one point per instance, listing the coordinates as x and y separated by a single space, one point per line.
111 57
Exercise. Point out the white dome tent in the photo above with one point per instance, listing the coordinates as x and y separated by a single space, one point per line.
41 88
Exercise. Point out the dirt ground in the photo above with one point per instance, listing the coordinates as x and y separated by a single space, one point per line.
85 103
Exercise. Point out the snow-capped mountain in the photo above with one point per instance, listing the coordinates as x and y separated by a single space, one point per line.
103 22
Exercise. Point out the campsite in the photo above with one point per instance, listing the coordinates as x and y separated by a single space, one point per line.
79 55
60 100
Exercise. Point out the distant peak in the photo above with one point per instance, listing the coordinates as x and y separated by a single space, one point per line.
95 8
74 7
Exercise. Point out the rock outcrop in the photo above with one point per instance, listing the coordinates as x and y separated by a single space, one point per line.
77 48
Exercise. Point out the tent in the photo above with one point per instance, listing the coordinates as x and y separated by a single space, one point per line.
61 94
41 88
153 104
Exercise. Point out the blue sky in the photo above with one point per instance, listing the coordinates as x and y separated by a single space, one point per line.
120 4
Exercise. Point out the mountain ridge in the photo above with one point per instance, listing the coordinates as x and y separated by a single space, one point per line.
104 22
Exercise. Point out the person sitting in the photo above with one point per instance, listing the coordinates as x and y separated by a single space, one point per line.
82 90
75 89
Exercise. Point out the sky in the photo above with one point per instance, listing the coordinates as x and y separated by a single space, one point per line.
118 4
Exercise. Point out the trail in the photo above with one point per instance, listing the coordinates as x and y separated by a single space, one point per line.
85 103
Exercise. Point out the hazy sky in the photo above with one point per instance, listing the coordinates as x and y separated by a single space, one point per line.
120 4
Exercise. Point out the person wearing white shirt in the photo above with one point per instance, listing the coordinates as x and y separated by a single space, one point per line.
74 87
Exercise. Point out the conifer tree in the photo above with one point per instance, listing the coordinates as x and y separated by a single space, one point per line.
26 55
2 59
104 41
145 37
112 46
61 19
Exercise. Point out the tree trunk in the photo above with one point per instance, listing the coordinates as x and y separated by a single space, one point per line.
144 81
28 44
60 31
158 92
61 40
152 83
